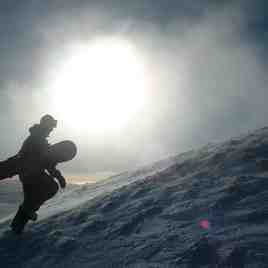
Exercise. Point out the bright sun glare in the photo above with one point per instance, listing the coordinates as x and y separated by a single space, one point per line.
101 85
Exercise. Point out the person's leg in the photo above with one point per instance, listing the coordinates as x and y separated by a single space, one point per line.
47 189
30 200
22 215
36 193
19 221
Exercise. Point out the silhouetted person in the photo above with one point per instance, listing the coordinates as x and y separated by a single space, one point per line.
38 182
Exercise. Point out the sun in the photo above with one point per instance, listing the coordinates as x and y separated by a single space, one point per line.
100 85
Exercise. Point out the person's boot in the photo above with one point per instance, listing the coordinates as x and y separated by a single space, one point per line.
33 216
19 221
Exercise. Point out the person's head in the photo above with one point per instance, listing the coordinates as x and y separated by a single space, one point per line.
48 123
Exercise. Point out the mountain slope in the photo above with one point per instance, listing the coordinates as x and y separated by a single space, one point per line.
204 208
10 196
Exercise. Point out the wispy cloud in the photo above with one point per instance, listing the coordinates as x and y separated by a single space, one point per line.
206 68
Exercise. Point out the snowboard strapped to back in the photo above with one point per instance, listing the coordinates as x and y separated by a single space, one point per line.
57 153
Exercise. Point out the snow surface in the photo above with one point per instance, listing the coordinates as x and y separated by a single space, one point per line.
204 208
10 196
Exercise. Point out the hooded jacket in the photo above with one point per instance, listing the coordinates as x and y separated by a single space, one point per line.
35 145
31 154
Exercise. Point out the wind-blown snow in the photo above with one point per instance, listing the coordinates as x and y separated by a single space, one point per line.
204 208
10 196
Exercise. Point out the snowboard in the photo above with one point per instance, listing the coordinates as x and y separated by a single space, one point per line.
57 153
60 152
9 167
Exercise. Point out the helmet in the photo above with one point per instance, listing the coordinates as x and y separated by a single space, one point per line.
48 121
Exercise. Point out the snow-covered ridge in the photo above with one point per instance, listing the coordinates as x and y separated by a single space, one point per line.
204 208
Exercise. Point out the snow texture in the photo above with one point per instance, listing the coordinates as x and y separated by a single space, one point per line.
10 196
204 208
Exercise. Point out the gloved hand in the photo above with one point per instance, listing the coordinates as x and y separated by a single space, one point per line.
61 181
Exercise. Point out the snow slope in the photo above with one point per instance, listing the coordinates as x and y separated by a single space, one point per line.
204 208
10 196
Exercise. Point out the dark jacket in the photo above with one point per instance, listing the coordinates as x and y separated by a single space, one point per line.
31 154
35 145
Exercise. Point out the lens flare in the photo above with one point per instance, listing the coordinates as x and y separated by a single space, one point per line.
204 224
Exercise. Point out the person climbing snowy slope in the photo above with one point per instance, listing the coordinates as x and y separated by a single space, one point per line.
37 181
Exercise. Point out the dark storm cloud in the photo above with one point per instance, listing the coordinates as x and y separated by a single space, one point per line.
208 61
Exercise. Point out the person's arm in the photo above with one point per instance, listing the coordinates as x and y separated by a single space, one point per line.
57 174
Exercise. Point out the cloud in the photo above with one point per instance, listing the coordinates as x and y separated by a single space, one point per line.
206 68
212 81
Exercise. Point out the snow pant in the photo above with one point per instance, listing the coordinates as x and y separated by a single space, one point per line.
37 191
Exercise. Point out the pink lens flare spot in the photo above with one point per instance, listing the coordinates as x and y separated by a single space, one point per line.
204 224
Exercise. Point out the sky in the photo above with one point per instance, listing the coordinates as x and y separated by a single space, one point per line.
203 76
